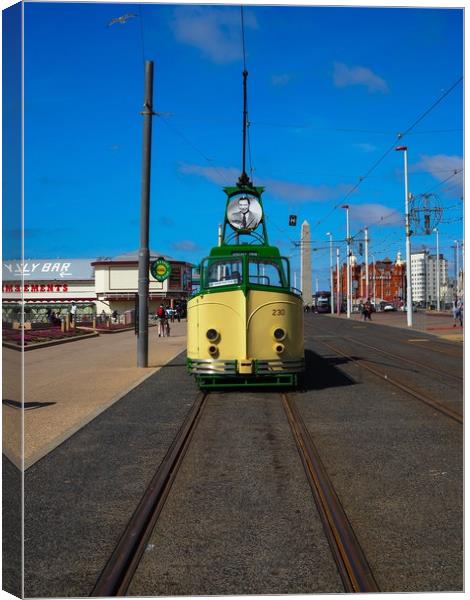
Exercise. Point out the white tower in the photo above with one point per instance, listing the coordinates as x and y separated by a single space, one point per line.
306 264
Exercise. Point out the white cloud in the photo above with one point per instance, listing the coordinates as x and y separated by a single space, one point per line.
185 245
285 190
442 166
218 175
344 76
375 214
365 147
281 79
214 31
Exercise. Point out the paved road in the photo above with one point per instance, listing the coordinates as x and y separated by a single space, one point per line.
240 505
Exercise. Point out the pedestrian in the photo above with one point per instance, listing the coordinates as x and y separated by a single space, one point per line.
367 312
161 321
73 312
457 311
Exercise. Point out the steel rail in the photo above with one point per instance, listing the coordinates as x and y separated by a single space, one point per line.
352 564
384 376
408 360
116 576
438 350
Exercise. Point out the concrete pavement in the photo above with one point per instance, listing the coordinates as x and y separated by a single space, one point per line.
67 386
438 324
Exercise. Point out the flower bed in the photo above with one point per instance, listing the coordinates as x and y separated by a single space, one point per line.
13 336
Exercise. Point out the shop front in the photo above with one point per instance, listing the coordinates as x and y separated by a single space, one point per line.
116 284
47 288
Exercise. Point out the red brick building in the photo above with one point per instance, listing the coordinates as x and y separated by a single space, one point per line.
387 281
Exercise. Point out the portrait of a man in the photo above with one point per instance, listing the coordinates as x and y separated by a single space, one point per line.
244 213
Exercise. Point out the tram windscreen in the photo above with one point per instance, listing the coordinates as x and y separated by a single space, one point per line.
223 272
266 272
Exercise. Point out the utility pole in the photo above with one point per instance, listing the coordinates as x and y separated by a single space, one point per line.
144 252
366 243
348 264
373 275
331 275
457 268
409 299
338 286
438 272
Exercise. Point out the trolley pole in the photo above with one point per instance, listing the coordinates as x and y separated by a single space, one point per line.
144 252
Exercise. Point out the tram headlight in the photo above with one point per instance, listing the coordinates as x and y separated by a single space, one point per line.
279 348
212 335
213 350
279 334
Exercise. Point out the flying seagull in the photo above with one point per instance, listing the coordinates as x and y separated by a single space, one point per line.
121 19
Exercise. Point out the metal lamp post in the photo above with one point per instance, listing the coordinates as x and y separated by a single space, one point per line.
457 268
366 241
409 299
438 272
338 287
373 274
331 274
348 264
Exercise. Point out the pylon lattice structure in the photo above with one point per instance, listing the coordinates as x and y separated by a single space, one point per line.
425 213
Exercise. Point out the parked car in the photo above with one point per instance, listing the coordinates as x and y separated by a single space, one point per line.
389 307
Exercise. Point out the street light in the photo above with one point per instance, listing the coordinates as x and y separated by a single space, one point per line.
348 264
331 275
438 271
409 299
338 286
373 274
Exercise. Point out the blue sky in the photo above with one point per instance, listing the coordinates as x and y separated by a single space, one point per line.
329 89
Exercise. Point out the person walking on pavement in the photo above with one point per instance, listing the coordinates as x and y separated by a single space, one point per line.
367 311
161 321
73 312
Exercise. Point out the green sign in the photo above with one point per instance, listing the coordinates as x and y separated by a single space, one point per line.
160 269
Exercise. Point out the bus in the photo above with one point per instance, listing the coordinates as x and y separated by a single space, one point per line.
322 302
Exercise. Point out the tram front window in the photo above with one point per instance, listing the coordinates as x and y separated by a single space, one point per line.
224 272
265 272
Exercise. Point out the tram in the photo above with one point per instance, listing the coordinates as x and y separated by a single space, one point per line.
245 322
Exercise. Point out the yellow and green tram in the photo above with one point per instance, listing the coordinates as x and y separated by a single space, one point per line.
245 323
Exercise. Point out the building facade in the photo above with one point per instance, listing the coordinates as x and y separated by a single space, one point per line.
424 278
94 285
386 281
116 283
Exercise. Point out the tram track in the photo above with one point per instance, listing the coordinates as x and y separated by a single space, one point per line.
407 360
351 563
364 363
115 578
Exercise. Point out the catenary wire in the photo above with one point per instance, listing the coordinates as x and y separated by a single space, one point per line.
390 149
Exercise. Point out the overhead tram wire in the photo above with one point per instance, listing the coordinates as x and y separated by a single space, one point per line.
390 149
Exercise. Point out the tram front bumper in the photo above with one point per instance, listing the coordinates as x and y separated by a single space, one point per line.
244 367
